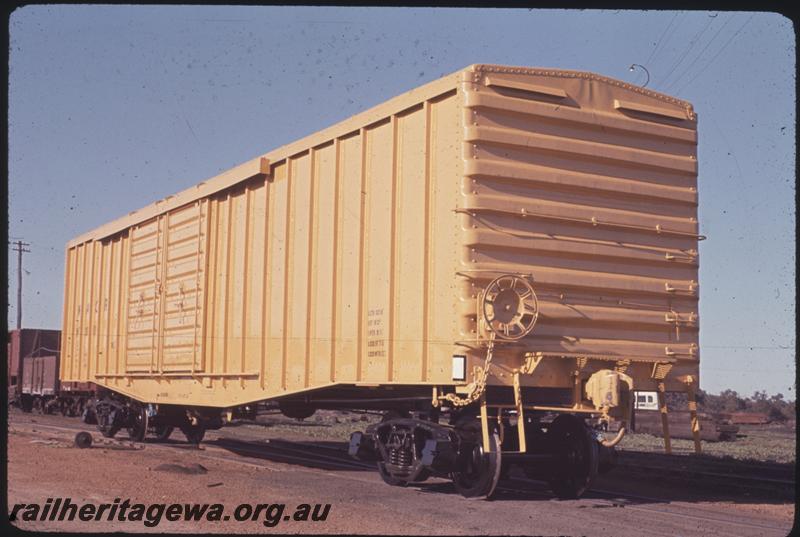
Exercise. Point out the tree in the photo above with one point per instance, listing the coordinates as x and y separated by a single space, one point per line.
775 414
775 406
731 402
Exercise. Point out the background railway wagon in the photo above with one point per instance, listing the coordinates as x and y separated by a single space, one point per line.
747 418
40 376
540 222
713 428
28 342
33 373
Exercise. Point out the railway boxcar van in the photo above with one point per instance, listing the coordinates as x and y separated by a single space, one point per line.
33 362
28 342
496 259
40 376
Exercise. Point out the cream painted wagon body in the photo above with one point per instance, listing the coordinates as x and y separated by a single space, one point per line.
495 247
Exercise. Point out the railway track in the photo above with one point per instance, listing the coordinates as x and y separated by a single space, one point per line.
696 471
222 448
246 448
601 498
331 457
711 464
707 471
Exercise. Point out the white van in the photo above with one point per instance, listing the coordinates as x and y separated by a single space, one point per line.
646 401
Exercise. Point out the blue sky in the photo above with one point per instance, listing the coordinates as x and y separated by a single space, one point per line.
112 107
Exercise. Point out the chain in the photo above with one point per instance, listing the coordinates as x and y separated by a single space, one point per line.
479 386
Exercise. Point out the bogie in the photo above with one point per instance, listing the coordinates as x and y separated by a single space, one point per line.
564 452
146 421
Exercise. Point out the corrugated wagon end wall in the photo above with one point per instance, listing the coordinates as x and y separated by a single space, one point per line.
588 185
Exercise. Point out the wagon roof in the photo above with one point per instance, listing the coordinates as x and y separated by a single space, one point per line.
261 164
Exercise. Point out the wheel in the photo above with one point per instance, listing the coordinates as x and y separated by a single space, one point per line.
137 429
38 405
385 474
83 440
106 416
108 432
577 455
48 406
388 478
194 433
88 415
250 412
481 472
163 432
295 410
26 403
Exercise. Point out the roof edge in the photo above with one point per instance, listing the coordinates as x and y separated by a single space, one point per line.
480 68
396 104
245 171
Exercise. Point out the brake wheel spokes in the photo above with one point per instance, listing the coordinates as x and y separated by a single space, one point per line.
510 307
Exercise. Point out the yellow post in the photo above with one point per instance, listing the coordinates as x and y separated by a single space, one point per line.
662 407
577 396
520 414
690 387
485 425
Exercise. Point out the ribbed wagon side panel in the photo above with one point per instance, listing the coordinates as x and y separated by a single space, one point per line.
75 309
355 273
410 257
68 318
224 297
101 309
443 239
323 261
117 298
295 312
277 275
91 293
591 188
94 299
319 274
183 288
331 262
144 296
378 185
346 363
254 346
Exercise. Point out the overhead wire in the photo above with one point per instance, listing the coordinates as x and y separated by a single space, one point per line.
688 49
660 39
728 42
678 17
697 58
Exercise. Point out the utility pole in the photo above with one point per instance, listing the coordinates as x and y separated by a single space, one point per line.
20 247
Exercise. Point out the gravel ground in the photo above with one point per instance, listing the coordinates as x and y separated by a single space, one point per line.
768 443
334 425
757 443
43 464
